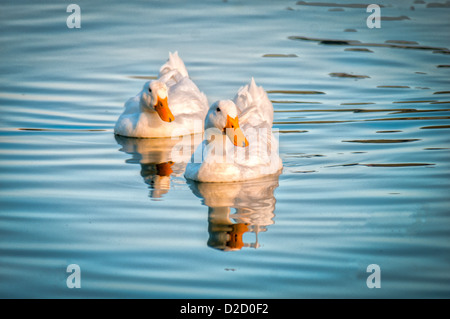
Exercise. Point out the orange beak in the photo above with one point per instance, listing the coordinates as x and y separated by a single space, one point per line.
234 132
162 107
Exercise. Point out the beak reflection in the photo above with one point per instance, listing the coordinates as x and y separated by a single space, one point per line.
156 159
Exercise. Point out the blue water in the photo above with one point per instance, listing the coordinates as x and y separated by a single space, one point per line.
364 138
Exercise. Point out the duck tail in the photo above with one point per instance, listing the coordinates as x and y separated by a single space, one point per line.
251 94
174 63
252 100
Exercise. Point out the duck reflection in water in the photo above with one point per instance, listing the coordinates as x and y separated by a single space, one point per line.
254 205
162 160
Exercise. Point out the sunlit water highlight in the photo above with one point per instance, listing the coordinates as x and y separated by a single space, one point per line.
363 116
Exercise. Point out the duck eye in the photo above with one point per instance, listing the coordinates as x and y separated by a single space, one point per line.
218 110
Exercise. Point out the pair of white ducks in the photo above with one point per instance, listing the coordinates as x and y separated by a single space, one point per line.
238 140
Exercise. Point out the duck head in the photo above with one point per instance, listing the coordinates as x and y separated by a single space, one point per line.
154 96
223 115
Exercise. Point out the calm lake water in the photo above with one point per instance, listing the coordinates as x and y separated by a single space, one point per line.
364 121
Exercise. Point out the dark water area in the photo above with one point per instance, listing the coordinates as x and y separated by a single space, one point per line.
363 116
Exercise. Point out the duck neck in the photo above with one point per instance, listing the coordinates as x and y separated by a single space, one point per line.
145 107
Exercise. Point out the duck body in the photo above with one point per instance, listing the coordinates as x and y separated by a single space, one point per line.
171 105
239 143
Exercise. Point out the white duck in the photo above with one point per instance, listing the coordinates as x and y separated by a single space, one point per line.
171 105
239 143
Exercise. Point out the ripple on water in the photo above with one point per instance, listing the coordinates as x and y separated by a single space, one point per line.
363 138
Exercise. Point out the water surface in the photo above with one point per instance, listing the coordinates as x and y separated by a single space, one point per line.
363 116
